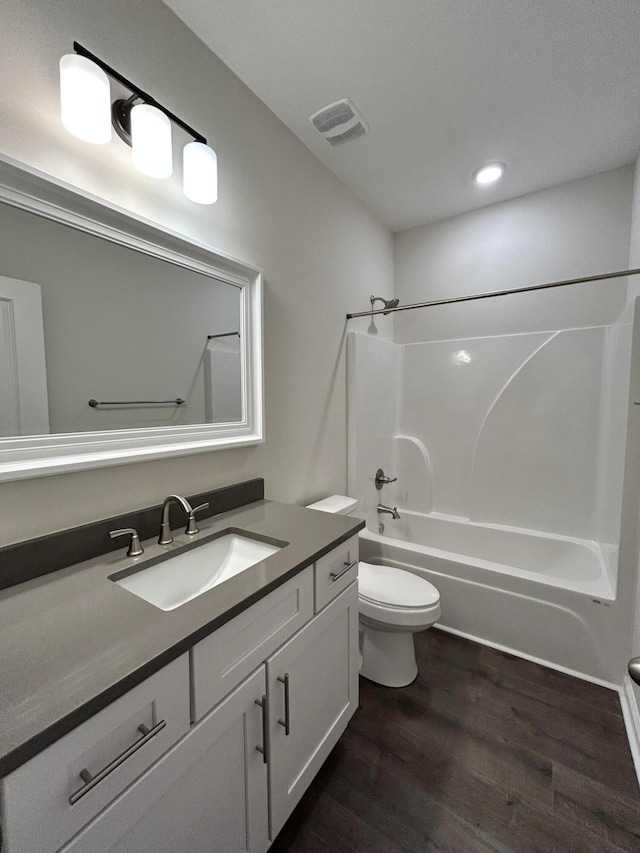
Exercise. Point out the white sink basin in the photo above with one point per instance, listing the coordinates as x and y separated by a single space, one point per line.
183 576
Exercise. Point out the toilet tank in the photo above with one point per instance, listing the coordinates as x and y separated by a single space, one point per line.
340 504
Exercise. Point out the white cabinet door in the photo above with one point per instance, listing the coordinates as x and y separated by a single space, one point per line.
206 795
318 669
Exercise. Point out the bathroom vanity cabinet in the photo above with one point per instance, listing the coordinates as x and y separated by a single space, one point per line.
213 751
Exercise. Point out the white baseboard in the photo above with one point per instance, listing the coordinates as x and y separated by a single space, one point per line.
631 714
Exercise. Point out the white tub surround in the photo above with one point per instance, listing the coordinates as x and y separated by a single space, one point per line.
510 454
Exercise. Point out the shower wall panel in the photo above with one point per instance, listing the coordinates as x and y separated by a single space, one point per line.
448 389
536 455
522 430
512 426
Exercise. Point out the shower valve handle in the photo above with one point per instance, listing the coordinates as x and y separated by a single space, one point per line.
382 479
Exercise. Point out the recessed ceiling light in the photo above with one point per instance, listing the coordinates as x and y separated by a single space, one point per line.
489 173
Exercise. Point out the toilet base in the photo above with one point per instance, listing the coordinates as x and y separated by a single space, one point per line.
388 657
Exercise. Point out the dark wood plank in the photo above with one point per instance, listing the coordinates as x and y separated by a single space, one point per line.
321 823
394 808
474 657
606 813
512 721
441 741
481 753
501 815
590 742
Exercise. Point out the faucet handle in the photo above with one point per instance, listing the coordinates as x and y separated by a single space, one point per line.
135 548
192 526
383 480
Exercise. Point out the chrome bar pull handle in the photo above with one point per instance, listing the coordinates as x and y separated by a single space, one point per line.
347 565
264 748
287 710
135 548
91 781
192 526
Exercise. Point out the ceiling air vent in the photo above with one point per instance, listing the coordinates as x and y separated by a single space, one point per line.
340 122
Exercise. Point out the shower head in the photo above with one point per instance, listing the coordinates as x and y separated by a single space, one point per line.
388 303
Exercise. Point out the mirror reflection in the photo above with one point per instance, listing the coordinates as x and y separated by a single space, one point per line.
96 336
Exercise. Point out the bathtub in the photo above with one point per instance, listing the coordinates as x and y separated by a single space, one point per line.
545 597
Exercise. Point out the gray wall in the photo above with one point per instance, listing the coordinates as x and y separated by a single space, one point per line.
575 229
323 254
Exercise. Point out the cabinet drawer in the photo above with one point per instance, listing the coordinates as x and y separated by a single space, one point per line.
208 793
222 660
332 574
46 801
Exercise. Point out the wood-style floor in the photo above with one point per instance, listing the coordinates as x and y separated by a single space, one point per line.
483 752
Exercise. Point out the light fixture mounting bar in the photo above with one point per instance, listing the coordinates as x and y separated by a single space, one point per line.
148 99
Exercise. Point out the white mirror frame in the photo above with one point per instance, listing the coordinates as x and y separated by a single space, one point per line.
35 456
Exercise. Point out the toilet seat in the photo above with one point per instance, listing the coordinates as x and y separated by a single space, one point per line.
396 597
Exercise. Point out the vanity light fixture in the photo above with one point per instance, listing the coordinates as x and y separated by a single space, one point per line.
200 173
85 99
151 141
489 174
140 121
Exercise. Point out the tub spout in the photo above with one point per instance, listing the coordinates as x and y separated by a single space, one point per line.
392 510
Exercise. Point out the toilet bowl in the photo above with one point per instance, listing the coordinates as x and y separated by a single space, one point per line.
394 604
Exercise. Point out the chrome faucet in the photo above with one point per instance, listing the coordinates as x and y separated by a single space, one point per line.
392 510
165 537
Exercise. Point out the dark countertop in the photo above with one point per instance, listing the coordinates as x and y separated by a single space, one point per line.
73 641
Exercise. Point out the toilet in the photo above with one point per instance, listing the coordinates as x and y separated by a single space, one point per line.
394 604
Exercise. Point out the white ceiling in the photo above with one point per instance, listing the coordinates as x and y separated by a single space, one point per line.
550 87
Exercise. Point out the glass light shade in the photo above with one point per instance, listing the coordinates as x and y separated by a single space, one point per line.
151 141
200 173
85 99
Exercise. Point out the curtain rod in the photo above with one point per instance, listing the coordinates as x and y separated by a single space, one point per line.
491 293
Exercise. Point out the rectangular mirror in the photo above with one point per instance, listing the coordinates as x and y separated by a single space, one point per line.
119 340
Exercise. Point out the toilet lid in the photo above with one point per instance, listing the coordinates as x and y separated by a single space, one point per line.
395 587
